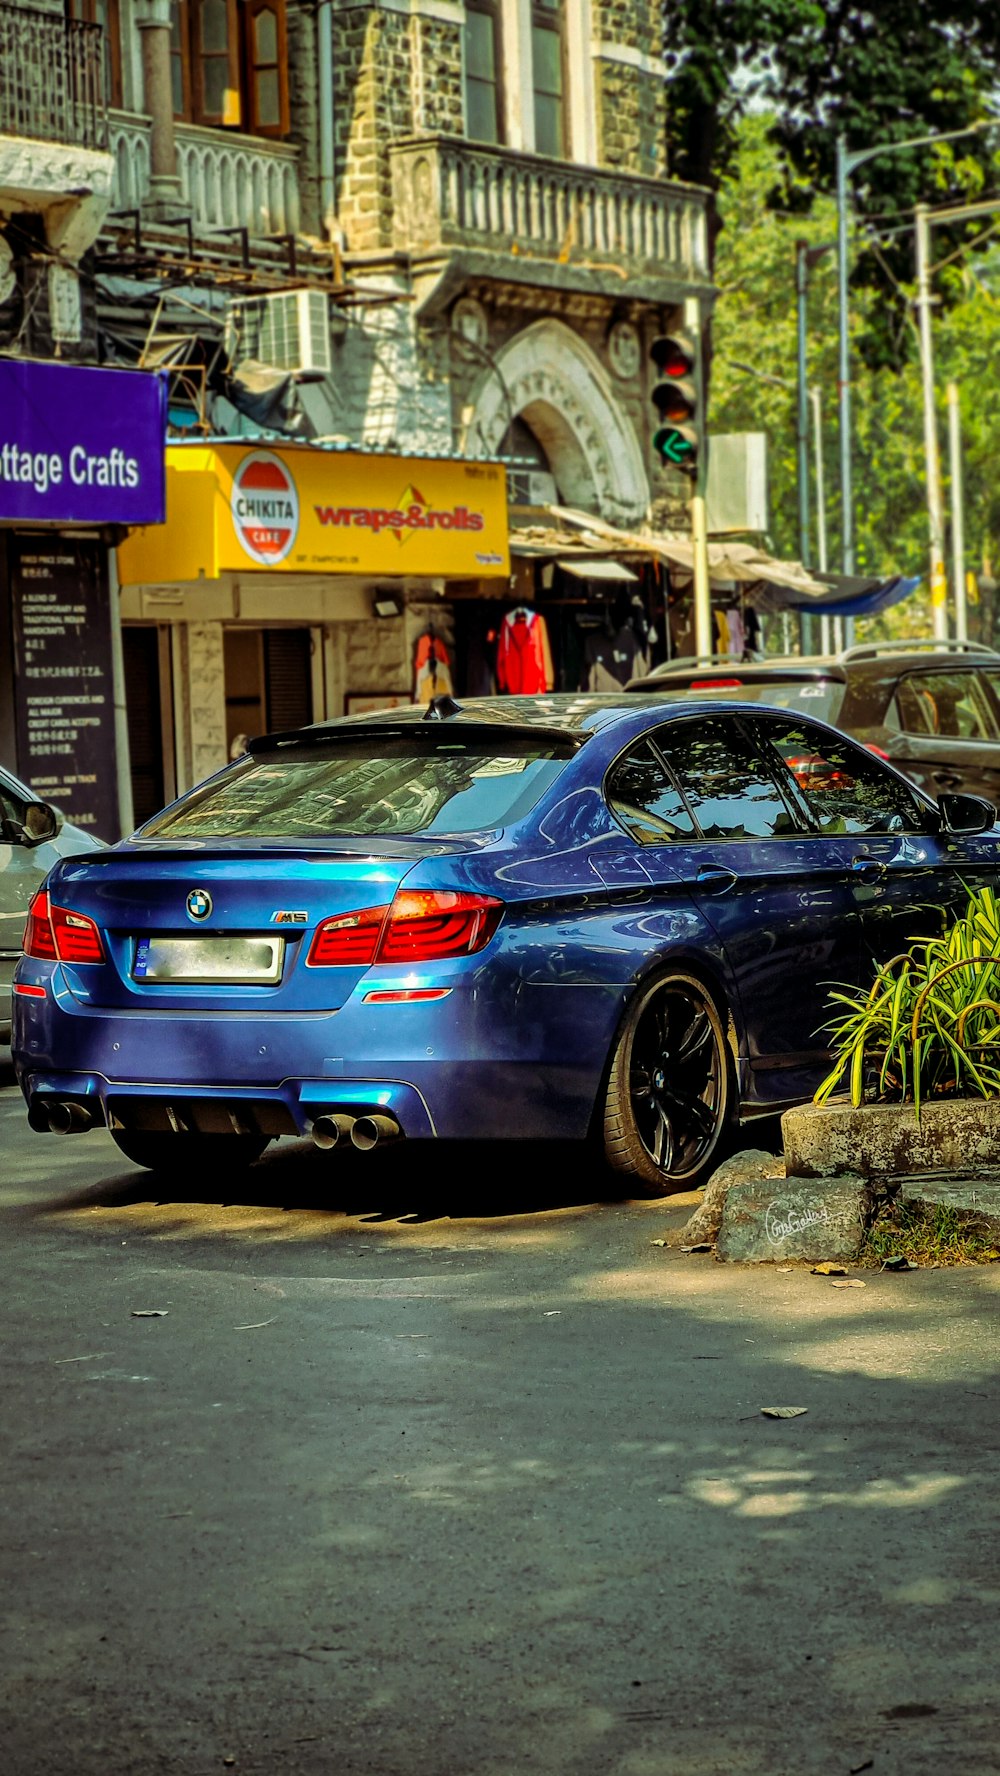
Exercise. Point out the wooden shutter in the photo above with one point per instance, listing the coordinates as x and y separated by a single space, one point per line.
265 32
215 55
288 678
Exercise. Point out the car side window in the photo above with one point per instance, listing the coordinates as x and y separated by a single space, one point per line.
642 797
845 789
952 704
728 779
11 812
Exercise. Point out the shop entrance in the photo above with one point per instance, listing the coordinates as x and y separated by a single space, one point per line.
148 699
268 682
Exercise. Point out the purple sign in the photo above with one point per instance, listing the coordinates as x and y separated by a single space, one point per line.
80 445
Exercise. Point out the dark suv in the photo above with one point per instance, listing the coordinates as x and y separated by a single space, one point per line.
932 709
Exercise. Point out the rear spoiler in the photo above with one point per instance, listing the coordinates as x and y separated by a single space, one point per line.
500 736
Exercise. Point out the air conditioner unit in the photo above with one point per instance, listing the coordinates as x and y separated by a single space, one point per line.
288 330
531 487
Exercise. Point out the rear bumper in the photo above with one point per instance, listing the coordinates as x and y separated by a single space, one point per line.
459 1068
290 1108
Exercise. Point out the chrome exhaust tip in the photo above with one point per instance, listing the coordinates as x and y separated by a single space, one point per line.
69 1119
368 1131
326 1131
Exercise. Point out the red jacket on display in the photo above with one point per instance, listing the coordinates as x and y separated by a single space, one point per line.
524 658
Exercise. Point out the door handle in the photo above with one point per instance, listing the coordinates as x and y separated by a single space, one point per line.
869 869
946 779
716 880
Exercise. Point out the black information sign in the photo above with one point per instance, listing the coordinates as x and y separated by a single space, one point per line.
64 697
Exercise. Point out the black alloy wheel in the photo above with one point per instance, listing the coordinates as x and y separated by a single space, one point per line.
184 1153
669 1099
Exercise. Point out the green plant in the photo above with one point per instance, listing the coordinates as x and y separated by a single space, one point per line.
930 1233
930 1025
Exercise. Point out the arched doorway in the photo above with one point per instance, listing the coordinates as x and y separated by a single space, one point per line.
550 379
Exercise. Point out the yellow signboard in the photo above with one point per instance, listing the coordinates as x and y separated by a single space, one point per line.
231 508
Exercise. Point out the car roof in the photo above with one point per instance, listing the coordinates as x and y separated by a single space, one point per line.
882 662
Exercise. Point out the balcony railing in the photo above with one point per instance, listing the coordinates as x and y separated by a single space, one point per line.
449 192
228 181
52 85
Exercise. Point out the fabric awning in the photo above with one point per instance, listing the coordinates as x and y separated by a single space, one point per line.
581 543
584 569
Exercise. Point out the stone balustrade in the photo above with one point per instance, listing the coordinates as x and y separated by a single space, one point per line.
227 181
450 192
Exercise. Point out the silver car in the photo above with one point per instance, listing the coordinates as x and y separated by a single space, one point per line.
33 837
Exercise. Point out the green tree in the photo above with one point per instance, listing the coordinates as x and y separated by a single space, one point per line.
879 73
754 338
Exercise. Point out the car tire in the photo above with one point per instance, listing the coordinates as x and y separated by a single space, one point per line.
171 1153
670 1099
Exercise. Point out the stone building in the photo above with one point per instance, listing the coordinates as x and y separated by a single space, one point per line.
474 193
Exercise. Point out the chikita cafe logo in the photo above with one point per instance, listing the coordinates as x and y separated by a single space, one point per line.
411 513
265 508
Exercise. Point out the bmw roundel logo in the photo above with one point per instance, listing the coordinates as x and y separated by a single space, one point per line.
199 903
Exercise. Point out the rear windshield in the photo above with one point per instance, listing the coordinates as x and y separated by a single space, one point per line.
821 697
396 784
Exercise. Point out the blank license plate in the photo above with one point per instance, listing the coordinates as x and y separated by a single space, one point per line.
214 959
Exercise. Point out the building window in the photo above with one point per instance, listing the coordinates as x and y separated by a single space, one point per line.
230 64
483 61
547 62
105 14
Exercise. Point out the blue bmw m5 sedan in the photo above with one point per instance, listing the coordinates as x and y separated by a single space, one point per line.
514 918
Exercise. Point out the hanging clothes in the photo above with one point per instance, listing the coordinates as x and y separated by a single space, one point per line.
431 669
524 658
610 660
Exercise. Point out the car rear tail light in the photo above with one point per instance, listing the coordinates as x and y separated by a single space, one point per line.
423 927
348 941
55 934
38 939
714 684
417 927
879 751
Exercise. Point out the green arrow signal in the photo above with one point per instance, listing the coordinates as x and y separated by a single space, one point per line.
672 445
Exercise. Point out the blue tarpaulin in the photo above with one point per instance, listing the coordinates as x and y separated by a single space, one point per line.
847 597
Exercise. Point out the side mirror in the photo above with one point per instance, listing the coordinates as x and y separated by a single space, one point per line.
41 823
966 814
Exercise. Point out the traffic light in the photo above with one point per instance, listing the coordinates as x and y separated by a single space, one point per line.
675 398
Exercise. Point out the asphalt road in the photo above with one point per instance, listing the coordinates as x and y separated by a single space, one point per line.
434 1465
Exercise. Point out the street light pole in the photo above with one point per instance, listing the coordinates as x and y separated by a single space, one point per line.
932 456
844 165
802 428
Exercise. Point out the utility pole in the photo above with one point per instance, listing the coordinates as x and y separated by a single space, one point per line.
704 639
957 511
826 637
847 162
932 457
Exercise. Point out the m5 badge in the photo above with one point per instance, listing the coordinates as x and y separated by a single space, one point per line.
285 917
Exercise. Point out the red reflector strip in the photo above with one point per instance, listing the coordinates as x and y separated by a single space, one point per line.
877 750
715 684
30 992
405 995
